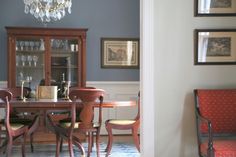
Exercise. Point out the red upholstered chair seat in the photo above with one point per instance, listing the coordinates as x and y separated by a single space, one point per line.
223 148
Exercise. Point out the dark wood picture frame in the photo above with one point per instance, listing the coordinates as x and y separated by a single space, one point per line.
214 8
214 46
120 53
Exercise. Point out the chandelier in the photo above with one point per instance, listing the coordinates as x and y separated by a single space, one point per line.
48 10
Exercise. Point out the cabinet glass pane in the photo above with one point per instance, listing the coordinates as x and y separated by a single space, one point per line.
30 62
64 61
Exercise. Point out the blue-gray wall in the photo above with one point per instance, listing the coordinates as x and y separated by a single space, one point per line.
103 18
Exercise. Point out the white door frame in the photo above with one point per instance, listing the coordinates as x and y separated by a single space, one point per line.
147 78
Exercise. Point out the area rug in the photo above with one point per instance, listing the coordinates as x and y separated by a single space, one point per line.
46 150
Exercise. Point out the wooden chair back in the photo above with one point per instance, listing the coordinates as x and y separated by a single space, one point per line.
6 96
13 131
137 118
16 91
88 97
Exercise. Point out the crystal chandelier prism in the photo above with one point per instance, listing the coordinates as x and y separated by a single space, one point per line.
48 10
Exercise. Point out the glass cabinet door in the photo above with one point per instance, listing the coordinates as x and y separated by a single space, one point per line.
30 61
64 63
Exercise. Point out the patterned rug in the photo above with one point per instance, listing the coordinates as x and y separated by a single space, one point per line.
42 150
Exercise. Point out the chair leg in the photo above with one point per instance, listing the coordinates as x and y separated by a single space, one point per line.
23 144
92 140
9 147
110 139
210 152
97 142
89 144
79 145
136 138
0 134
57 145
31 142
61 145
70 147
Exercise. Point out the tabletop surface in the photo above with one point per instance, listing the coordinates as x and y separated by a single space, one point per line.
48 103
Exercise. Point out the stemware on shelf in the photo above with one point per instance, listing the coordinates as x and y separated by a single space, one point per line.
37 44
66 46
31 43
29 58
27 44
17 60
21 45
17 45
23 59
35 59
42 48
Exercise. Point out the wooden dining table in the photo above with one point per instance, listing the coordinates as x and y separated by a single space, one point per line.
41 106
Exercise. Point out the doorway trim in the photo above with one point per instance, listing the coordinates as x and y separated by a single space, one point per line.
147 78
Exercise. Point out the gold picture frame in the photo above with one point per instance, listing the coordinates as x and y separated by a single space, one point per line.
119 53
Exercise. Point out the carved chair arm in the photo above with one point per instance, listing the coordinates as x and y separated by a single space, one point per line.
202 119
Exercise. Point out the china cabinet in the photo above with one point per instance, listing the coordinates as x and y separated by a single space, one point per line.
46 56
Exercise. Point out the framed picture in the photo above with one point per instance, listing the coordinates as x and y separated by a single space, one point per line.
215 8
215 46
119 53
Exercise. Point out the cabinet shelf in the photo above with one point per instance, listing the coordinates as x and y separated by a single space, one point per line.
30 67
62 66
30 51
64 52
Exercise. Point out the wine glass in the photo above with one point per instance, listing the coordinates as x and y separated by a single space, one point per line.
17 60
66 46
27 45
42 48
31 43
23 59
21 45
17 45
29 58
57 44
35 59
37 43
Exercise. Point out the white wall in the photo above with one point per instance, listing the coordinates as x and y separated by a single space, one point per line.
176 76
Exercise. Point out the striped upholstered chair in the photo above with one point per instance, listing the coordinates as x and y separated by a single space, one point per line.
216 122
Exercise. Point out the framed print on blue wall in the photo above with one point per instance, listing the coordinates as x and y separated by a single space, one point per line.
119 53
215 8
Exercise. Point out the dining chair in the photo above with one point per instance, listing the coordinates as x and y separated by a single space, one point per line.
78 110
87 99
25 117
124 124
216 122
12 131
